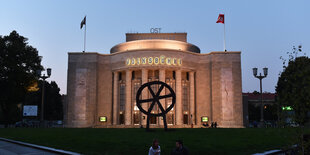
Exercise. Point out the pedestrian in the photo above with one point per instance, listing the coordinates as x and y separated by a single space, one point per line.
215 124
155 148
255 124
180 149
212 125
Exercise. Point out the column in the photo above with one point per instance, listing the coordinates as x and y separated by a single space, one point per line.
162 77
178 106
115 98
128 104
144 95
192 97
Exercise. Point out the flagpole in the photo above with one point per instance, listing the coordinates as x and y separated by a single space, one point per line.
85 36
224 38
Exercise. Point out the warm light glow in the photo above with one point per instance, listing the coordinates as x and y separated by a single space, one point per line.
162 60
144 60
33 87
150 60
168 61
204 119
128 61
135 107
133 61
103 119
156 60
138 61
156 44
174 61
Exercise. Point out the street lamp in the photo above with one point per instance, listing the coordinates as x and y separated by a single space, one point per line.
260 77
43 77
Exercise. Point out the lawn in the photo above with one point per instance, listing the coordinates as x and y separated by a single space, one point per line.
137 141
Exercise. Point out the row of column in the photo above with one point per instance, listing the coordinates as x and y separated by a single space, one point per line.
162 76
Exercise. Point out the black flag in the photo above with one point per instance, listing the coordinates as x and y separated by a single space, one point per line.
83 22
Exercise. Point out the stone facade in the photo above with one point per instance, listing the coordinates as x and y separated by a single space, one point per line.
105 85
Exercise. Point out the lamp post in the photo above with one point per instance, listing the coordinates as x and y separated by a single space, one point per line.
260 77
43 77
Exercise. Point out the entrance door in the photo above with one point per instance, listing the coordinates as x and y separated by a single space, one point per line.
136 119
152 120
169 118
121 119
185 119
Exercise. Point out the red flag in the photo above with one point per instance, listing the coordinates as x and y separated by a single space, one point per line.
220 19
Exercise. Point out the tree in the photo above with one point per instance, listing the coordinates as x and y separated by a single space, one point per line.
18 64
293 87
53 109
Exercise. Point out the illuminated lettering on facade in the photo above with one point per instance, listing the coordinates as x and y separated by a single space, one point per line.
162 60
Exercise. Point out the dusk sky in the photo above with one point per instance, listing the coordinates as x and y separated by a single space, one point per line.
262 30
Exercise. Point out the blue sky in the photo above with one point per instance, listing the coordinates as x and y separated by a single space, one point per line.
262 30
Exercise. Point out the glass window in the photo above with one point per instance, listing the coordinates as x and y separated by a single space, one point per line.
122 97
136 86
185 98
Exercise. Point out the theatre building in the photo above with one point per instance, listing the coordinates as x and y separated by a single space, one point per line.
102 88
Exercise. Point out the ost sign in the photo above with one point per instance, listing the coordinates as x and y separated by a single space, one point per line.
155 30
162 60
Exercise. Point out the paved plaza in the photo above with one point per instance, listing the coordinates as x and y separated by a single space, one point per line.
7 148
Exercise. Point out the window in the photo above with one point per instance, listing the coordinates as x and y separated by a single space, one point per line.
173 74
187 76
122 97
136 115
185 98
170 114
136 86
169 100
133 75
119 76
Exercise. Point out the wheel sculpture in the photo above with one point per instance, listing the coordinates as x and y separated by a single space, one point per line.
156 97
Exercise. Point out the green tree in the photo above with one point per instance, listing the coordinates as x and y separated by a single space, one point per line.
18 63
293 87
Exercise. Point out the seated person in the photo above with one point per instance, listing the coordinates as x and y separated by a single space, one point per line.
205 124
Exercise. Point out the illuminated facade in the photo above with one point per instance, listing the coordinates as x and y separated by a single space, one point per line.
102 87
